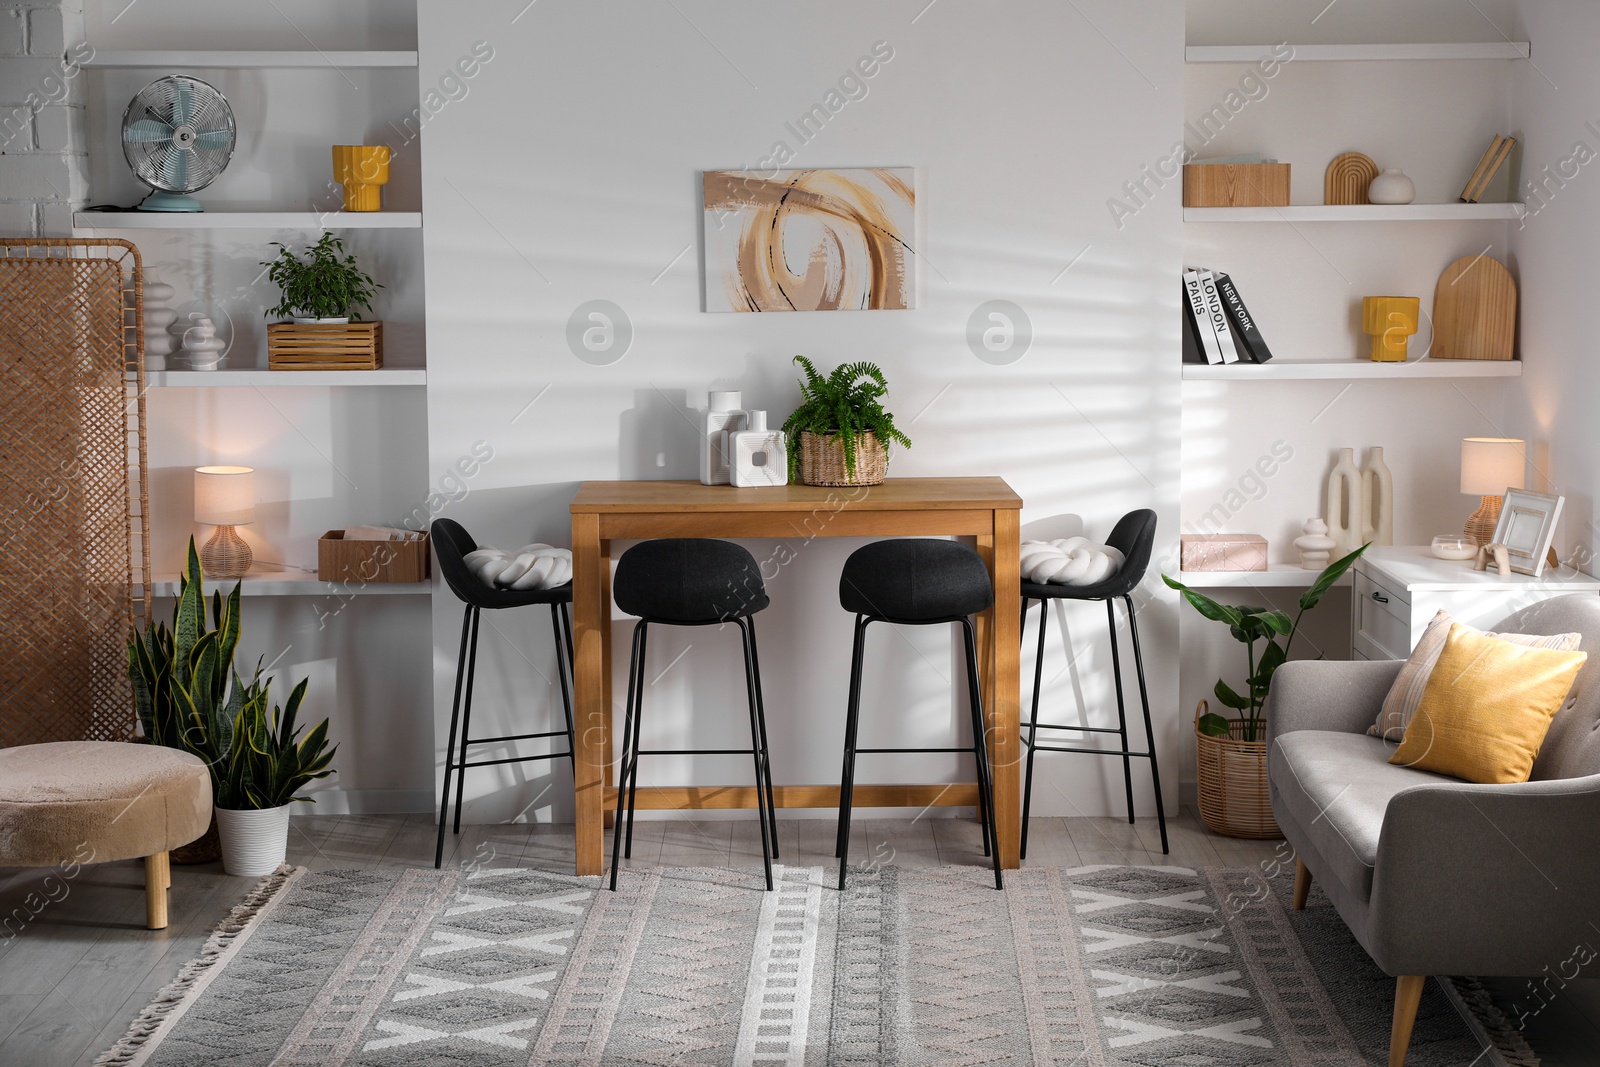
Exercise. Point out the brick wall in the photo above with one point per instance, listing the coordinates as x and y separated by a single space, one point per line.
43 168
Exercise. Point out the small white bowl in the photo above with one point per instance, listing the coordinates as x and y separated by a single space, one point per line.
1454 547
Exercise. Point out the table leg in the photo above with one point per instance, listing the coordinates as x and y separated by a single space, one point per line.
1001 666
591 630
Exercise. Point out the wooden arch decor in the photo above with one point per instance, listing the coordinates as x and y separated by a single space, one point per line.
1347 177
76 561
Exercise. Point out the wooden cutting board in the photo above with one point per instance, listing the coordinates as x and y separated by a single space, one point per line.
1474 310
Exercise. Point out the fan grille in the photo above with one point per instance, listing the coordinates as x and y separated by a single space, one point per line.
178 134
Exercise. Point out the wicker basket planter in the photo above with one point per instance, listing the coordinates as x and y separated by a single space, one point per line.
822 460
1234 800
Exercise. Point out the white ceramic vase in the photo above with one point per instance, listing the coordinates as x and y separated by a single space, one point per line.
158 343
1391 187
1315 545
254 842
1346 517
1377 500
725 416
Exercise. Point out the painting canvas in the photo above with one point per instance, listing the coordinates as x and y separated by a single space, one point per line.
810 240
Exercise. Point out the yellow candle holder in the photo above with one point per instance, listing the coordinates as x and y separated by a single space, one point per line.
1391 320
363 170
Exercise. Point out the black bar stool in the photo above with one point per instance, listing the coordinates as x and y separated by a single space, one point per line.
1134 536
686 581
915 582
451 543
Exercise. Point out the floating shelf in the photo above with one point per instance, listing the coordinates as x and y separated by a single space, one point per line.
225 378
1276 576
1357 213
237 220
1352 369
292 582
1250 53
214 60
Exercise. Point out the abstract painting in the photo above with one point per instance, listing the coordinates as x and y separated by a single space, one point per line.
810 240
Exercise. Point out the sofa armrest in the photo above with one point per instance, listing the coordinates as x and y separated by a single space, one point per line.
1339 695
1487 879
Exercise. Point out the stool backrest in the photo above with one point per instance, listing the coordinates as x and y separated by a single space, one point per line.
1135 537
451 543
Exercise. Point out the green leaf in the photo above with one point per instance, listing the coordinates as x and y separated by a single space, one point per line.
190 615
1230 698
1330 574
1277 622
1213 725
1205 605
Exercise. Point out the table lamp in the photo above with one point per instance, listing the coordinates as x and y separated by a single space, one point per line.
1390 320
225 497
1489 466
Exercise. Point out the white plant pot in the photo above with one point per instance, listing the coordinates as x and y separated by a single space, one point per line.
254 843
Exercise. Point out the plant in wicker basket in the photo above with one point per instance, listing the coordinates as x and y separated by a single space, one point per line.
846 424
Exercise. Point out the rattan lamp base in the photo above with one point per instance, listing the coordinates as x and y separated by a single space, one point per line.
226 555
1481 523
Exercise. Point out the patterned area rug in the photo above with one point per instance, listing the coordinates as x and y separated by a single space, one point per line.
1092 966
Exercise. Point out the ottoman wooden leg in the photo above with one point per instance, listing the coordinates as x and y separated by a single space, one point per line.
157 877
1302 883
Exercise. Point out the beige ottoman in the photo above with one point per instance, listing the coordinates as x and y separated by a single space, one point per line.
78 802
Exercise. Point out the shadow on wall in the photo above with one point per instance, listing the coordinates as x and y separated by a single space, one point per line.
659 436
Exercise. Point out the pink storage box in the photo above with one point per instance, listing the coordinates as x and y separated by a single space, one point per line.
1223 552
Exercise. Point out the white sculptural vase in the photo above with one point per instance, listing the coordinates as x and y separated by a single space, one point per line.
1346 517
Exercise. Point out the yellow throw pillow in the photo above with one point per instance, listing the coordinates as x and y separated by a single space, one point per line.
1486 708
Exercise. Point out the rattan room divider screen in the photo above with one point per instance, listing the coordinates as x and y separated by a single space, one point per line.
75 566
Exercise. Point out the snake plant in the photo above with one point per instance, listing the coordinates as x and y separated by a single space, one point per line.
181 679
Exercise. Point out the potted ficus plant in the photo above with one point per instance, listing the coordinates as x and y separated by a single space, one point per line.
1232 752
840 434
190 697
322 295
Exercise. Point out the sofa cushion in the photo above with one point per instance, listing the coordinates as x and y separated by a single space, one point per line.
1336 788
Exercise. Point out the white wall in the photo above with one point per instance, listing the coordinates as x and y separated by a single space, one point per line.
570 172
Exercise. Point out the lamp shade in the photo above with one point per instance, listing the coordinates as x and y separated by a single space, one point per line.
1491 465
224 496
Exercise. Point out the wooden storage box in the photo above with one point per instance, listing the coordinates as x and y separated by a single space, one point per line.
1223 552
325 346
1236 185
339 560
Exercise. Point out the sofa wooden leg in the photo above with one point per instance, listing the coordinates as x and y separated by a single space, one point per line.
1302 883
1407 995
157 877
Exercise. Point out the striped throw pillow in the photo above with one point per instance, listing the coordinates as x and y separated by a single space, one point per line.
1406 693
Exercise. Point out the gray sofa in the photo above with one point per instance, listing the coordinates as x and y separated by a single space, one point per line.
1435 876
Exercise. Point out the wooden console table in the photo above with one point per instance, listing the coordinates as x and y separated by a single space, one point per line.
983 511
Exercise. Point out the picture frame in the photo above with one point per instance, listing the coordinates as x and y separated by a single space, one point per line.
1526 527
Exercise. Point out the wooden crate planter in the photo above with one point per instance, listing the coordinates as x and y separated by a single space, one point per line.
339 560
325 346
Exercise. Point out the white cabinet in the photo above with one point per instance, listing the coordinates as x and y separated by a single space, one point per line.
1398 590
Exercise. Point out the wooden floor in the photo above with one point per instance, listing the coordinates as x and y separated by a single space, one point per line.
84 966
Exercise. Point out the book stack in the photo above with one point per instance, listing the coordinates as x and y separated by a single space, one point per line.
1218 327
1493 159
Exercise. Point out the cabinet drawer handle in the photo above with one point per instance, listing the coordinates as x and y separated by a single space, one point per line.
1378 598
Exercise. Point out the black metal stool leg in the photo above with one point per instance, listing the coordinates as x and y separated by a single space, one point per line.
643 629
1149 732
771 806
466 716
851 722
1122 714
626 764
563 666
566 628
450 746
980 748
1033 725
756 747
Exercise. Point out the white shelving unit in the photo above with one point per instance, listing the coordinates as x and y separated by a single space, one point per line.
1249 53
219 60
292 582
1352 370
224 378
88 221
1276 576
1358 213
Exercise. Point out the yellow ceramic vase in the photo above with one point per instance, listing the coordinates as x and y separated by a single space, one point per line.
363 170
1390 320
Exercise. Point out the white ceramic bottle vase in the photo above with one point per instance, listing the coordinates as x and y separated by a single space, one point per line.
158 343
1391 187
201 343
1377 500
758 455
1346 516
1314 545
723 415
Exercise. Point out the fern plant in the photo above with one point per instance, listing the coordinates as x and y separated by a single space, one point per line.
327 284
845 404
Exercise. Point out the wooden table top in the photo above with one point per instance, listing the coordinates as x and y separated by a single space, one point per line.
895 494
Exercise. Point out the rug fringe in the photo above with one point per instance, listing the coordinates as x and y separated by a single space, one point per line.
1505 1037
235 923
